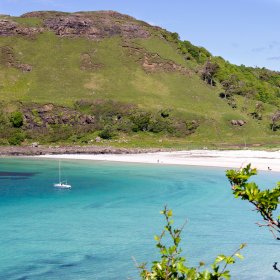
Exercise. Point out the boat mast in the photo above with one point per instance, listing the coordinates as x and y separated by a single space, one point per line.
59 175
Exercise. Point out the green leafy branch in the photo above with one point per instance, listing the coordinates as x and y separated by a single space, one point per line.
265 202
172 266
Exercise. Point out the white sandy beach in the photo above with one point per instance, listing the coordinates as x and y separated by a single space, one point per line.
262 160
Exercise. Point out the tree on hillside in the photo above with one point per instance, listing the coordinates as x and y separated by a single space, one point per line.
259 108
230 85
275 119
208 72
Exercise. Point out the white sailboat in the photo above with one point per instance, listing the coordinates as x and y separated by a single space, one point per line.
61 184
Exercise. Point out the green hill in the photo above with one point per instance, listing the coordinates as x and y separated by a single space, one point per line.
72 77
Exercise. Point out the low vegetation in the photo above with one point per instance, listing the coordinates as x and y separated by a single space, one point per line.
104 118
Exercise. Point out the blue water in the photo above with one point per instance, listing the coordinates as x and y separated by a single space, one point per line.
112 213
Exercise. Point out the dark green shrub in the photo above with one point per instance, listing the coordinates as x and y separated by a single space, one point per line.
141 121
16 119
158 124
165 113
125 125
175 36
59 133
107 133
16 139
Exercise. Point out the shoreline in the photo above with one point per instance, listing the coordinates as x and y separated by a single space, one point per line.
55 150
262 160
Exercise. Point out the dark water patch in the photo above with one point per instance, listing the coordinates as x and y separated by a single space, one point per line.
68 265
14 178
94 205
89 257
14 274
17 174
33 271
30 268
55 262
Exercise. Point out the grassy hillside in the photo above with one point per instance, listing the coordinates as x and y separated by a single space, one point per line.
87 60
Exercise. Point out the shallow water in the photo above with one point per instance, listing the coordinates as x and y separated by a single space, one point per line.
112 213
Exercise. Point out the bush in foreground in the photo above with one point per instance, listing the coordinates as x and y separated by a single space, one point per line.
264 201
172 265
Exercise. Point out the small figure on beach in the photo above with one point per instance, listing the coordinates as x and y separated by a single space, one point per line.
268 168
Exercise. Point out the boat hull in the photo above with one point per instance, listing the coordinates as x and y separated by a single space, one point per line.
62 186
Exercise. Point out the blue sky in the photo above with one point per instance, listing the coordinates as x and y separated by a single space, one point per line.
242 31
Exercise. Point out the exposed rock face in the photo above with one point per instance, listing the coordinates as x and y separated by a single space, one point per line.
237 122
41 117
8 59
41 150
153 62
43 14
9 28
93 27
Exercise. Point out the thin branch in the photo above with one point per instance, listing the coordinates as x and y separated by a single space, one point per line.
275 267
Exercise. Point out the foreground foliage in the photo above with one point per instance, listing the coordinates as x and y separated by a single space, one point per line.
265 201
172 265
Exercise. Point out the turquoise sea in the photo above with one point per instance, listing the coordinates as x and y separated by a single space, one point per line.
111 215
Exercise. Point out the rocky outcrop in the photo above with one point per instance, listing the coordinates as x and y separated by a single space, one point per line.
44 14
153 62
8 59
41 150
92 25
9 28
95 25
48 115
238 122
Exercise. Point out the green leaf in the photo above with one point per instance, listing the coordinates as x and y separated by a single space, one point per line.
157 238
220 258
201 263
159 266
169 213
226 275
239 256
